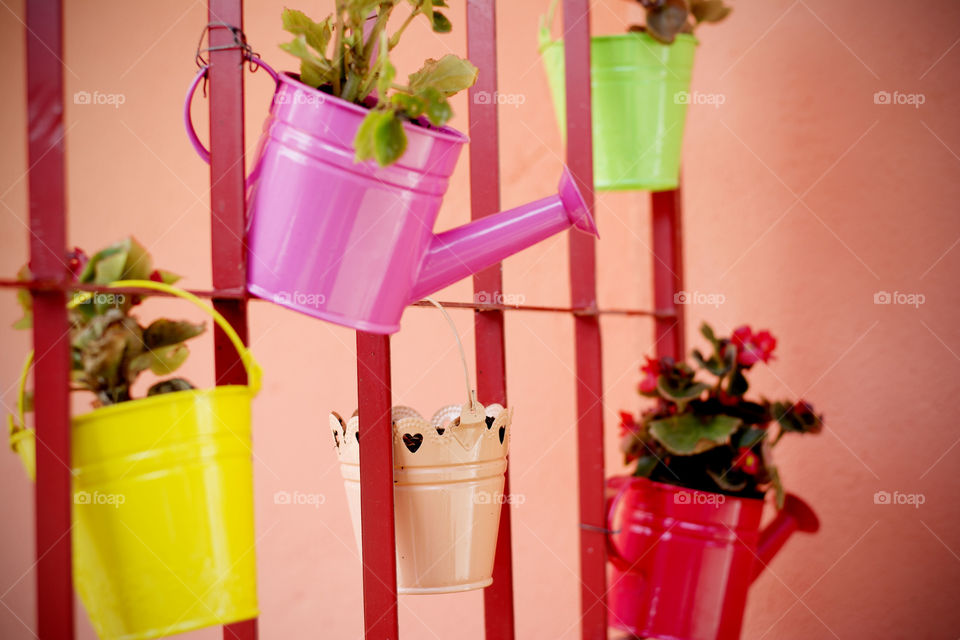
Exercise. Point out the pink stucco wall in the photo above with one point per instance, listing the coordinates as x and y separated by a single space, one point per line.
803 199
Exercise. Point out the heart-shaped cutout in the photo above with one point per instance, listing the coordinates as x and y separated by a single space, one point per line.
503 432
413 442
489 421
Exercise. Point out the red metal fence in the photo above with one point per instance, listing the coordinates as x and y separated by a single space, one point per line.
47 247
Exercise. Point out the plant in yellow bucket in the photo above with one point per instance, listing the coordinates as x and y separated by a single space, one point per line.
640 89
162 530
448 490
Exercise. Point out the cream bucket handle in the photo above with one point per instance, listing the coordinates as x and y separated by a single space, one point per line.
471 394
254 373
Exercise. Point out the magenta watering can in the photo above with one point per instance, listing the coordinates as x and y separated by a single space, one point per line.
684 559
353 243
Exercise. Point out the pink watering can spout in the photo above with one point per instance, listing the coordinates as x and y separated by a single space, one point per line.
457 253
796 515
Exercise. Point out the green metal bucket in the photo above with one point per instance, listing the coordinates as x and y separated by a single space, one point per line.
640 93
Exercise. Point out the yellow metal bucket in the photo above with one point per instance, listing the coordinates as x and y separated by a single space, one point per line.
163 535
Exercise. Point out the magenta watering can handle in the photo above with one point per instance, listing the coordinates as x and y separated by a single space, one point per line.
188 121
621 484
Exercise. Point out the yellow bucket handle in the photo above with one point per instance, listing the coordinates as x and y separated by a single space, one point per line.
254 373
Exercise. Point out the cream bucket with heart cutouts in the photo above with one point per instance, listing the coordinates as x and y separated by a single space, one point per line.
448 491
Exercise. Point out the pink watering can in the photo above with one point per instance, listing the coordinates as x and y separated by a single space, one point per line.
683 559
353 243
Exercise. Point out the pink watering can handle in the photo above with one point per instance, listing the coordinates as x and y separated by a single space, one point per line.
188 121
620 484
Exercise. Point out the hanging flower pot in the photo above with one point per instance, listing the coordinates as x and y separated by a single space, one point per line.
341 218
448 490
163 537
684 559
639 91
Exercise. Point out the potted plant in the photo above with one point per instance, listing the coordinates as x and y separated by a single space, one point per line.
640 84
352 168
448 489
162 484
685 538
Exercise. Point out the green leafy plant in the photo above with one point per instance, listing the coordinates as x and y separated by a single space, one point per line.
109 348
708 435
337 57
666 18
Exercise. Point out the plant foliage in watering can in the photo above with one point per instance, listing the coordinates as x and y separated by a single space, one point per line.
109 348
666 18
708 435
337 57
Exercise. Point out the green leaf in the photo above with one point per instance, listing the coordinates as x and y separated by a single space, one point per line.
738 383
667 20
709 11
751 437
317 34
441 24
448 75
723 481
386 72
781 494
680 395
686 435
437 107
410 106
389 140
168 277
110 268
314 72
707 332
139 264
363 142
163 332
88 275
645 465
161 361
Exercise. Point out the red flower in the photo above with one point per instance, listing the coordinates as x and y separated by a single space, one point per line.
650 371
628 424
747 461
77 260
726 399
155 276
753 347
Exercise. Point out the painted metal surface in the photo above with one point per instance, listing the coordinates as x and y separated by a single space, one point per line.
321 223
48 241
498 598
667 232
583 293
227 204
683 559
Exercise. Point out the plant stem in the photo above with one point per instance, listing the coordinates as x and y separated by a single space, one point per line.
338 51
395 38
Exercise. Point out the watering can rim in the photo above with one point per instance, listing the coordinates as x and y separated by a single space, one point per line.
444 133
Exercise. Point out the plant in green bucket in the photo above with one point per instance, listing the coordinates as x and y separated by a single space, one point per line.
162 484
640 85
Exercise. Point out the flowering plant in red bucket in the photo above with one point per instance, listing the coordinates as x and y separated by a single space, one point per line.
702 432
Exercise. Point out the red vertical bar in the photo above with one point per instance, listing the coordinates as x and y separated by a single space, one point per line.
227 207
667 272
583 293
498 606
48 241
379 552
